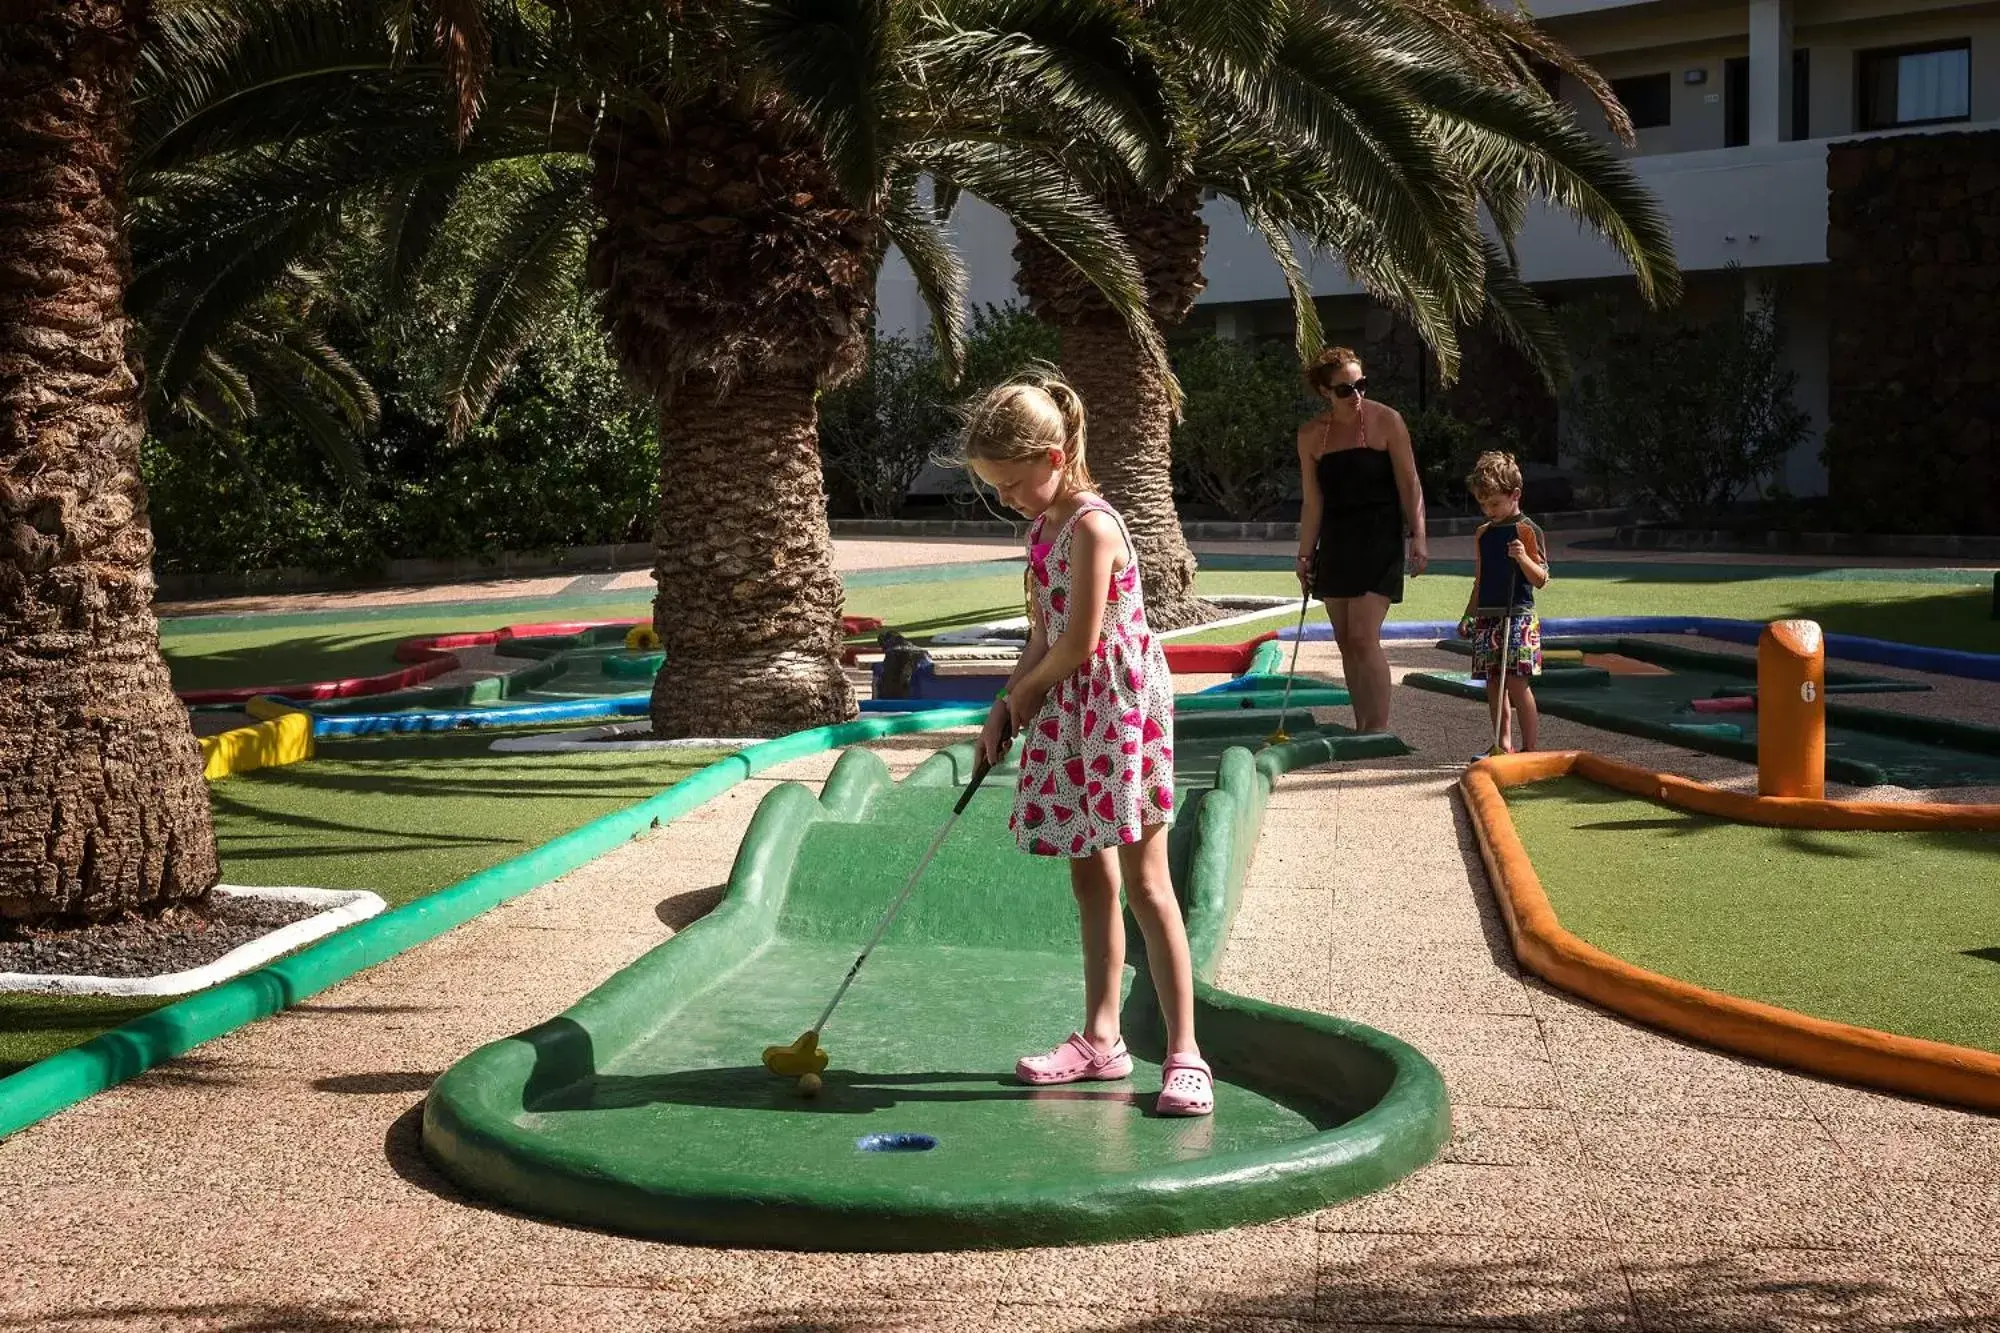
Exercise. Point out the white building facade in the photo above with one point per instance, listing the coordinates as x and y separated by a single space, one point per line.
1743 114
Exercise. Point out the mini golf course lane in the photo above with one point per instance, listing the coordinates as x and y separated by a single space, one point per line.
1899 932
645 1108
1865 747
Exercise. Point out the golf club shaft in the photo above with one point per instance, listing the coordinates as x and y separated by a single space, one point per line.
1506 652
1284 705
979 773
888 918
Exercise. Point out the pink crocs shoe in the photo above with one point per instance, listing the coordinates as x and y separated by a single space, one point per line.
1187 1087
1074 1061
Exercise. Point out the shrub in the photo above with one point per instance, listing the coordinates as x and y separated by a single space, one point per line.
563 459
1237 444
878 432
1679 417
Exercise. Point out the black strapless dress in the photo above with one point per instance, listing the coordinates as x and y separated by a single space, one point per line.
1360 527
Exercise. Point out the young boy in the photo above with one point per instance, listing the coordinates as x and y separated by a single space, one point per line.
1510 561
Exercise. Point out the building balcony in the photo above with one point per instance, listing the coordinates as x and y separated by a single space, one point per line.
1762 206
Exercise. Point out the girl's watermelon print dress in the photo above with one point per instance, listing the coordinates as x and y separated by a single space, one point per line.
1097 762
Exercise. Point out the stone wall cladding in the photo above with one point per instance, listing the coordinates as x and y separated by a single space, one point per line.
1913 395
1496 386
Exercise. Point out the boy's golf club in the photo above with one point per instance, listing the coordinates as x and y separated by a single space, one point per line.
805 1058
1506 653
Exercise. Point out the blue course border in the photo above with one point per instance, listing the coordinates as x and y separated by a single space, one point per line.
68 1077
1846 647
452 719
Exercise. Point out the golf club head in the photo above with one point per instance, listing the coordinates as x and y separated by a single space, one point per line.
802 1057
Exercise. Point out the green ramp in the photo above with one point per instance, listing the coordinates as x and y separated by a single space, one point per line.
645 1108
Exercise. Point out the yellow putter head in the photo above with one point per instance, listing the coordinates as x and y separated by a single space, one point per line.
1278 737
802 1057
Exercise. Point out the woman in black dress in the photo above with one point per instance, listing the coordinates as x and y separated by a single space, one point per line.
1361 490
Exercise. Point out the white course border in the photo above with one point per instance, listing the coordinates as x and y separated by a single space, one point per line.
344 907
599 740
984 636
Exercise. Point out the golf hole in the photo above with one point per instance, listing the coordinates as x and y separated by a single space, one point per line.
895 1143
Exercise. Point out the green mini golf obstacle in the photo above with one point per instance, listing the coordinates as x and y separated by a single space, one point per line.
645 1108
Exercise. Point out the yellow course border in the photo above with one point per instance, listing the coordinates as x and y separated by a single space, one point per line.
281 736
1911 1065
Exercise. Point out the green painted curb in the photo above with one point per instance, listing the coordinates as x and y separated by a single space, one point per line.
70 1076
1266 659
640 666
481 1122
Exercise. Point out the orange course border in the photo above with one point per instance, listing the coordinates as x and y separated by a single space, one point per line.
1931 1069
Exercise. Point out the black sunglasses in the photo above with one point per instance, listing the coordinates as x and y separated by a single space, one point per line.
1349 390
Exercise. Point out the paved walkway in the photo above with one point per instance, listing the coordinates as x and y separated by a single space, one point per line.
1601 1176
855 554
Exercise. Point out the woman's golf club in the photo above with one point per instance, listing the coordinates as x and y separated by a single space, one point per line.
1280 736
805 1059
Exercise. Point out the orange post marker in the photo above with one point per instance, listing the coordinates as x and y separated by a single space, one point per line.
1791 710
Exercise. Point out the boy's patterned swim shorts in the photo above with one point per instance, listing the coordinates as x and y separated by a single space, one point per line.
1487 643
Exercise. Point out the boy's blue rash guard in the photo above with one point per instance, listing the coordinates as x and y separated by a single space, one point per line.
1502 586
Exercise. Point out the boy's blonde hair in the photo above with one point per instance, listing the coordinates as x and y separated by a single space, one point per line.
1025 417
1494 473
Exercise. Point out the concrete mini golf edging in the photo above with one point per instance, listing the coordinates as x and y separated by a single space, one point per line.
281 735
343 907
1765 1032
68 1077
556 1120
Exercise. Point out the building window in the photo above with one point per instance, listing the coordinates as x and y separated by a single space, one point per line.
1915 85
1736 98
1801 93
1647 98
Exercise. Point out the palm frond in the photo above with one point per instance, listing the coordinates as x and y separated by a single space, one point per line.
530 270
1080 66
1039 198
466 49
277 372
184 319
1241 31
411 220
940 275
835 59
1550 156
1307 337
1524 322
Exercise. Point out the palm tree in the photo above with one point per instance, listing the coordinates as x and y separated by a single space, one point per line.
728 172
102 804
1373 131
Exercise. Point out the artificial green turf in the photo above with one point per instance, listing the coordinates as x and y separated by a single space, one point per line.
1912 611
215 653
1894 931
402 816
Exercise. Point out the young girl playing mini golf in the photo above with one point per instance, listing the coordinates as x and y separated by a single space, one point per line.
1510 559
1092 703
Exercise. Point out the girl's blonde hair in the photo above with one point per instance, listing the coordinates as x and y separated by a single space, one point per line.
1494 473
1023 419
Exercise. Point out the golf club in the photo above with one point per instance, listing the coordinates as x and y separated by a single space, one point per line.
805 1058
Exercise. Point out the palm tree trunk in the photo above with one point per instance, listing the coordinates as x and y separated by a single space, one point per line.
1130 450
749 605
102 804
1131 437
